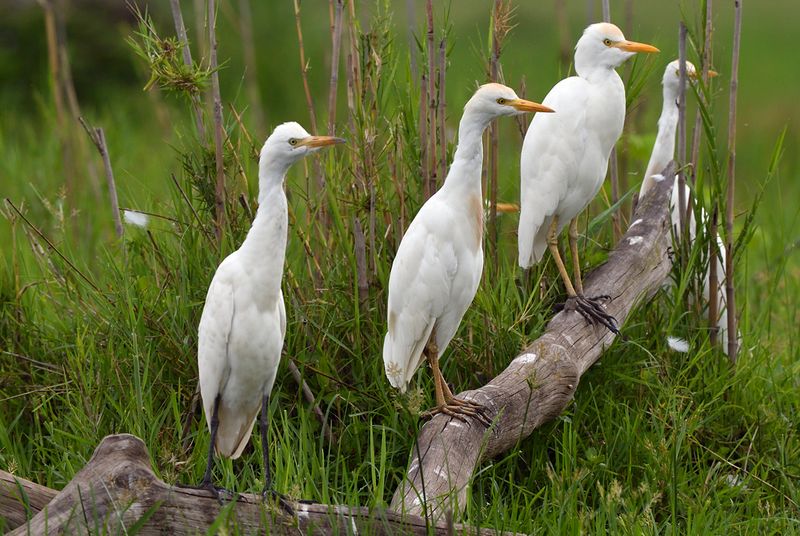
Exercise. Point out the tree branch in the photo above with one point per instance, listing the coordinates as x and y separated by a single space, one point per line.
117 489
541 381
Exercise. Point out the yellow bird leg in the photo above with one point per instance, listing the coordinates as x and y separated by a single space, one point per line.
576 263
432 354
552 243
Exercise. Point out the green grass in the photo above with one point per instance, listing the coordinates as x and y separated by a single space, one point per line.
655 441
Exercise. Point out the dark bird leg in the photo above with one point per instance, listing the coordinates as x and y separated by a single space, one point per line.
590 309
268 490
207 483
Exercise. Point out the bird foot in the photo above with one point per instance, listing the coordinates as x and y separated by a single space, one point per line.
461 410
222 495
280 498
592 310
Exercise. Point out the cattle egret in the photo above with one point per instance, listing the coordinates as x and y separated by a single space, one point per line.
438 265
565 156
244 320
663 152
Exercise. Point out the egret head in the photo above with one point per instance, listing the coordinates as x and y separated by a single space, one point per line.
672 75
494 100
290 142
604 46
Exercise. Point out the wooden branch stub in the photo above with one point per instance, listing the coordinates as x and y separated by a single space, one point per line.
20 499
118 488
540 382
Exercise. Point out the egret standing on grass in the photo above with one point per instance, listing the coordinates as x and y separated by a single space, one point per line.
244 320
663 152
565 156
439 262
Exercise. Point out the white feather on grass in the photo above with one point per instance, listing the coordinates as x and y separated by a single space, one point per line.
678 344
138 219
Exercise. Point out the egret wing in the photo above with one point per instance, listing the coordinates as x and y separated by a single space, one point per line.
420 286
214 332
551 155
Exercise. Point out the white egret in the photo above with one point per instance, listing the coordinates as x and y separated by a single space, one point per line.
244 320
565 156
663 152
438 265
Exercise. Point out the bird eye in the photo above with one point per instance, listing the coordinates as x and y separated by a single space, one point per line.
501 100
292 141
607 42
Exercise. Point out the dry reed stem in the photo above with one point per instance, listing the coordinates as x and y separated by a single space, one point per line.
68 88
441 111
682 215
180 30
336 43
713 277
733 340
423 136
98 137
606 11
67 156
245 23
613 171
219 192
430 56
312 116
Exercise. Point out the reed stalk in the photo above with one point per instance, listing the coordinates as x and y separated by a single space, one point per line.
180 30
219 191
733 340
613 172
682 216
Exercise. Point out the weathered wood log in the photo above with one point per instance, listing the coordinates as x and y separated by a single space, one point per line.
21 499
118 491
541 381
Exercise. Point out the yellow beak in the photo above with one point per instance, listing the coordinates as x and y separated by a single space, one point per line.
633 46
320 141
528 106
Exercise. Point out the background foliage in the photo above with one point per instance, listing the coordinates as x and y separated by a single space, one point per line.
98 335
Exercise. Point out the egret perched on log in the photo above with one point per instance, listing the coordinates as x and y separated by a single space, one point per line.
438 265
565 156
663 152
244 320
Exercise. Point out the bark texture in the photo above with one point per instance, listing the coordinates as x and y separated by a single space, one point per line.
117 492
541 381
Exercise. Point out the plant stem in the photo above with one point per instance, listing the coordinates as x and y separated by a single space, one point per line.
733 339
219 193
180 30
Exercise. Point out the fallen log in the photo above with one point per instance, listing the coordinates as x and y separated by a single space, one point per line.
540 382
117 492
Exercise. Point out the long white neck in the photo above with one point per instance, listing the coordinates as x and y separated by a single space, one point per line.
465 171
664 148
264 248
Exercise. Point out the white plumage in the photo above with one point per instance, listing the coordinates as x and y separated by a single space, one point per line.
663 152
243 324
565 155
438 265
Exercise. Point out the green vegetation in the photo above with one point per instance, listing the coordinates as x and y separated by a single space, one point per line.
98 335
